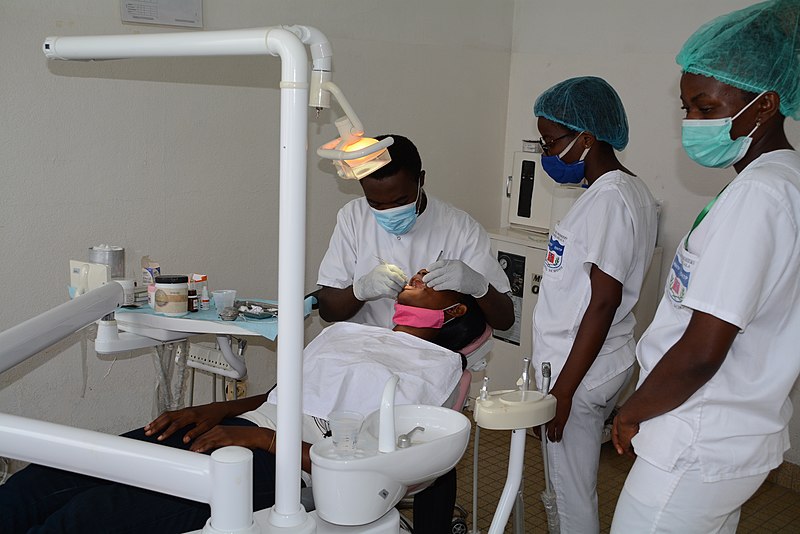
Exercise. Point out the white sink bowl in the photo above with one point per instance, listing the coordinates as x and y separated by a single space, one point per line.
362 487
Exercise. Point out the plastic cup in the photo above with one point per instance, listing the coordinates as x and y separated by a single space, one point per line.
345 427
223 298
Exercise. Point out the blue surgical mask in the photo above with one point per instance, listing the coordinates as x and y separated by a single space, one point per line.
708 141
399 220
565 173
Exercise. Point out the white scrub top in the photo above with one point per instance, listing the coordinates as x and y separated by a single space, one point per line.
347 366
611 225
742 266
358 241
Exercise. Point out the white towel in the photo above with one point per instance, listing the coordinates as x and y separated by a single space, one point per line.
346 368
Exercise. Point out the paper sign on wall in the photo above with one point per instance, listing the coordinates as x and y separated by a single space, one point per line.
188 13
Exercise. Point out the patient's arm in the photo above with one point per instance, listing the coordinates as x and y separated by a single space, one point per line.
245 436
251 437
204 417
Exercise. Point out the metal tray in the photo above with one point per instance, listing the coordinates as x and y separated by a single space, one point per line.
269 310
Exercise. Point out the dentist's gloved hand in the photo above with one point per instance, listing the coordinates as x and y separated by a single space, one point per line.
456 275
384 281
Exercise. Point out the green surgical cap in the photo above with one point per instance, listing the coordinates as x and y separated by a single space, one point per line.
587 104
755 49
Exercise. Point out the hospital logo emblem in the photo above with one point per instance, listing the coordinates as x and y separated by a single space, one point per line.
677 281
555 255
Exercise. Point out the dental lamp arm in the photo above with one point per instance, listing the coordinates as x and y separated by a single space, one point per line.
22 341
251 41
350 130
321 55
357 128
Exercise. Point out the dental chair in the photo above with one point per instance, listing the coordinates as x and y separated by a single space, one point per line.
475 354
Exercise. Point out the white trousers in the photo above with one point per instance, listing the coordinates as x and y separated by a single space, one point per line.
574 460
657 501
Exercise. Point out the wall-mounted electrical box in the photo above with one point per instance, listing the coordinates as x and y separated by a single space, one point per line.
530 193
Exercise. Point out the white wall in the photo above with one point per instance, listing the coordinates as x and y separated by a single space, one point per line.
178 158
632 44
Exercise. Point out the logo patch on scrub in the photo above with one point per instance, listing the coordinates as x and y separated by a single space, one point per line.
555 254
678 280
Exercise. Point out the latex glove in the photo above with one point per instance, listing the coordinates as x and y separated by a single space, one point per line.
384 281
455 275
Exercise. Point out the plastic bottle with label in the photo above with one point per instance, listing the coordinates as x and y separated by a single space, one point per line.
205 301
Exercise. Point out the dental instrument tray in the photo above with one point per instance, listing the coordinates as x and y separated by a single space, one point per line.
253 309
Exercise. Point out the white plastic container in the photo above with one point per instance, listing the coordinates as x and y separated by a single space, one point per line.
171 296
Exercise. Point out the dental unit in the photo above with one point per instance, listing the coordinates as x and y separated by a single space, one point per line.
287 42
382 471
223 479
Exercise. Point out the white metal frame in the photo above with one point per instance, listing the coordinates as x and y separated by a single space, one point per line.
179 472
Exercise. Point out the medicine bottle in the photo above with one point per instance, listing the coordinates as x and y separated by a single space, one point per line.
205 301
193 302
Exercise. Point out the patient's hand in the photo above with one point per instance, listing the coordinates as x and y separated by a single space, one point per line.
204 418
243 436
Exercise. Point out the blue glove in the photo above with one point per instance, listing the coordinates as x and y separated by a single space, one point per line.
455 275
384 281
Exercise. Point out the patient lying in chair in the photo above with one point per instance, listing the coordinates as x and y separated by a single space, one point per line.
344 368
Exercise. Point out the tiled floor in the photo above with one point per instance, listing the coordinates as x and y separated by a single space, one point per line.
772 509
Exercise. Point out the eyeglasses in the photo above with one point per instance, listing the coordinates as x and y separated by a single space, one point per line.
547 146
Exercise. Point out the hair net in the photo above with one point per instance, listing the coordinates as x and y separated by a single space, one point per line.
755 49
589 104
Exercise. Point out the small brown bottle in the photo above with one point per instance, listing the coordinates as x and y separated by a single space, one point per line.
193 302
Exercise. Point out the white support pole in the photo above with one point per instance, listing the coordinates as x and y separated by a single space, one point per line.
286 43
232 492
516 460
287 512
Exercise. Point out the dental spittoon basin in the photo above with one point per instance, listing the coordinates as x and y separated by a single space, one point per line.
359 488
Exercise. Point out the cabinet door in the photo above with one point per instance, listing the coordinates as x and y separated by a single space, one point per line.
523 265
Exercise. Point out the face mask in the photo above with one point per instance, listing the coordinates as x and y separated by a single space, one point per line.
708 141
420 317
565 173
399 220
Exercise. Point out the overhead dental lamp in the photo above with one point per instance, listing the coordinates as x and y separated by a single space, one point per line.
353 155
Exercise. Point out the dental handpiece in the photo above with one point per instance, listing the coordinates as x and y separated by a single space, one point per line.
525 379
545 377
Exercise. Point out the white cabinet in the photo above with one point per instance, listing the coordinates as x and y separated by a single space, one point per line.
521 254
